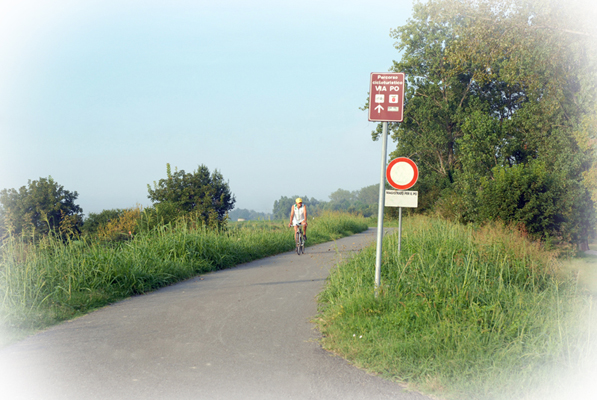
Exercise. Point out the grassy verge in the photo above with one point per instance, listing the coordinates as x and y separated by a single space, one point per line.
463 313
53 281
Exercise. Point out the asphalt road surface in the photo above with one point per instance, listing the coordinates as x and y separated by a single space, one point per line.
243 333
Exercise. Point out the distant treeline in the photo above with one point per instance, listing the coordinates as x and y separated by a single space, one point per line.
363 201
249 215
43 207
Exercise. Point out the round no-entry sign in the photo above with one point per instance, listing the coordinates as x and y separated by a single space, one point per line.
402 173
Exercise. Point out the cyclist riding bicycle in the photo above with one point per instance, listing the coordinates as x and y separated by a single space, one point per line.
298 216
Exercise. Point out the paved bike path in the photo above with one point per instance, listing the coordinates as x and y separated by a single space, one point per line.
242 333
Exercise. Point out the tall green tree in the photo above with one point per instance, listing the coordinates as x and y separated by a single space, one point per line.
41 207
502 92
203 194
341 199
433 96
368 195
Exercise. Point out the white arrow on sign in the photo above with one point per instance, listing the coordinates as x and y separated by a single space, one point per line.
379 108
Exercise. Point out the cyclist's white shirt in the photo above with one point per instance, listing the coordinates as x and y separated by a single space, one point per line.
299 215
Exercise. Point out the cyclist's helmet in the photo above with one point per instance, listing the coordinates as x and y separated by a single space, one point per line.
299 200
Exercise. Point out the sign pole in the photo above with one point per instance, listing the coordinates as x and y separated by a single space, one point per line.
399 229
382 192
386 104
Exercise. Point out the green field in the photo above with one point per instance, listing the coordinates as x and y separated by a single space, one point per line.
52 281
465 313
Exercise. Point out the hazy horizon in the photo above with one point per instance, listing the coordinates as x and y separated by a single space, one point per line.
102 95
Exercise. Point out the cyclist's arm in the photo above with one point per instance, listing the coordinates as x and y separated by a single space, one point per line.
305 214
291 215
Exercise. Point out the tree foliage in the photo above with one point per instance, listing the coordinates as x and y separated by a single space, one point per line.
123 227
114 224
94 221
41 207
281 209
363 201
500 98
204 196
248 215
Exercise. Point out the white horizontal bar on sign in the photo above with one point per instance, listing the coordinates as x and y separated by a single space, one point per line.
402 198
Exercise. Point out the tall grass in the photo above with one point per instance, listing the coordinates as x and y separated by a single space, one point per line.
462 313
51 281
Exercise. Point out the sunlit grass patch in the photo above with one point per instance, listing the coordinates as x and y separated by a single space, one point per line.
462 312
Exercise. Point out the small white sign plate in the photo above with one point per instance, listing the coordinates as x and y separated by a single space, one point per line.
402 198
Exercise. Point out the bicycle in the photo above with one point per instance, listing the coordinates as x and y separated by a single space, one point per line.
300 240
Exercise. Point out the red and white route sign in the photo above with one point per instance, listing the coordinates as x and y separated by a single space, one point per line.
402 173
386 96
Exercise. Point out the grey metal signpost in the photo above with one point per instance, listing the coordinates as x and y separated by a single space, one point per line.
380 211
386 100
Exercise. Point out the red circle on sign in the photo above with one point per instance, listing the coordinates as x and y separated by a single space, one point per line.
394 163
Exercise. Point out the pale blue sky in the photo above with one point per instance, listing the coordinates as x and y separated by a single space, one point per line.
102 94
